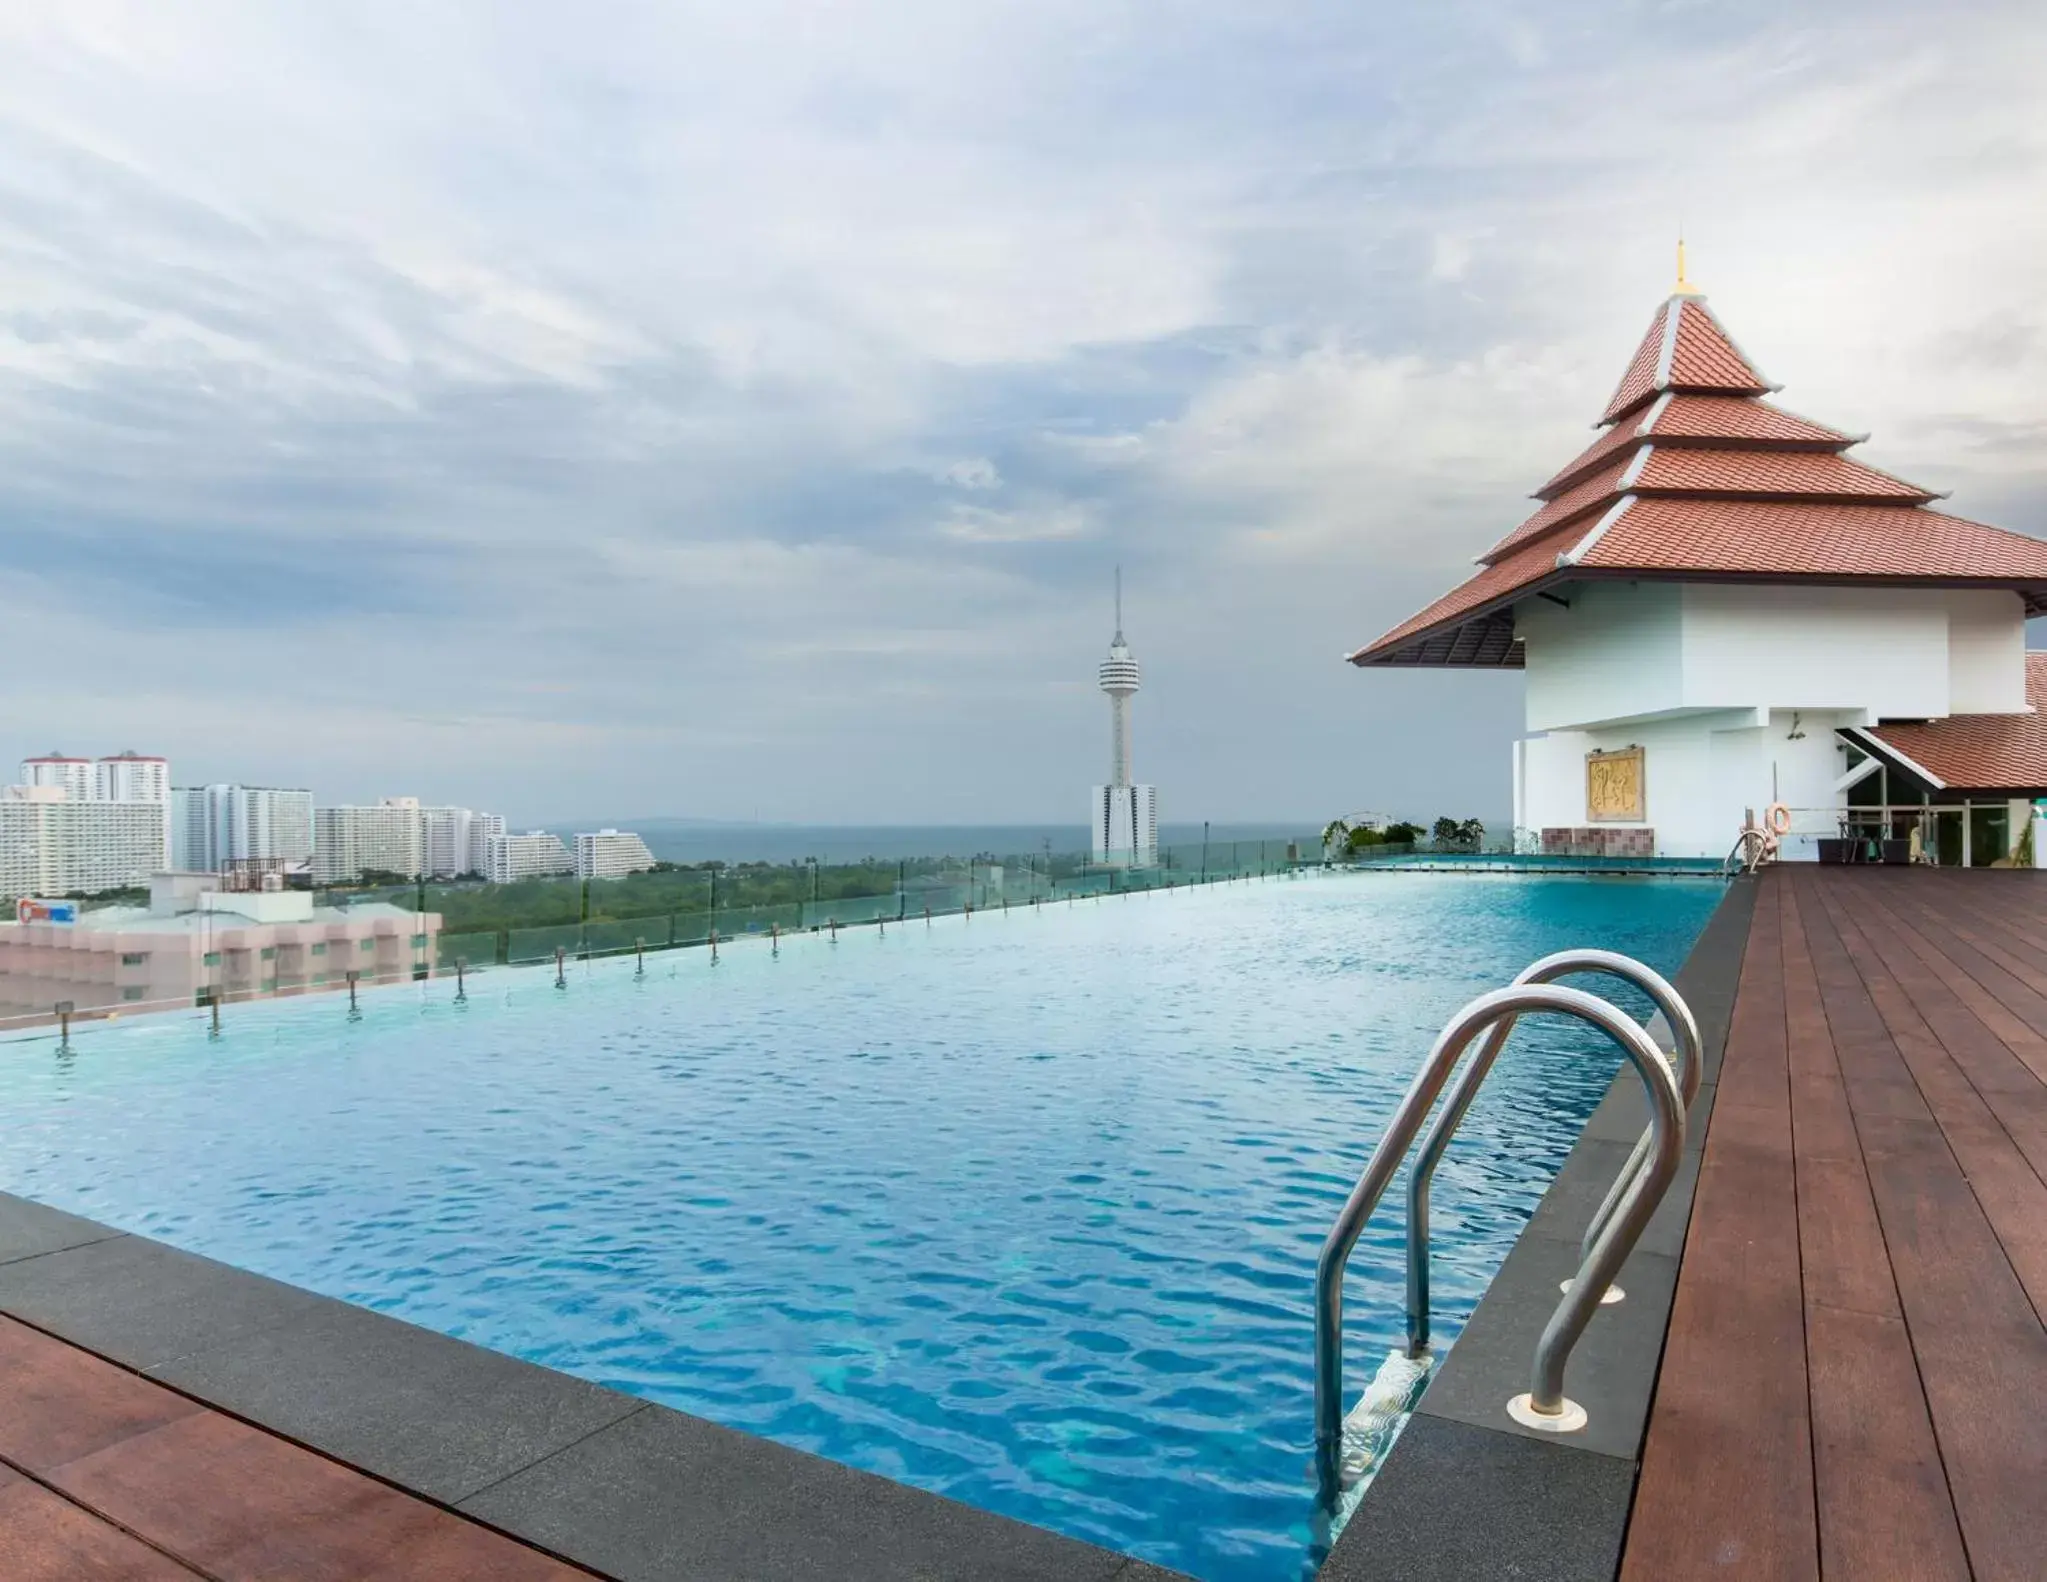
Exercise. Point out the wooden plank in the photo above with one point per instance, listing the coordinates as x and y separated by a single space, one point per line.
1968 1073
1995 997
1883 1499
1841 1246
1879 1487
1977 1341
1981 1354
1726 1484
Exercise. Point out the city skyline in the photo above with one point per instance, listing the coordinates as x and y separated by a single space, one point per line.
489 414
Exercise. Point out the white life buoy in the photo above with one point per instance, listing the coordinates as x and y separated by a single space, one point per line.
1778 817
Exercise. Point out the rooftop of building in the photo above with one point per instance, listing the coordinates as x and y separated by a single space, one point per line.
1696 477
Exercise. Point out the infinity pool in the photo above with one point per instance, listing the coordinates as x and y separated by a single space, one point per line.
1023 1208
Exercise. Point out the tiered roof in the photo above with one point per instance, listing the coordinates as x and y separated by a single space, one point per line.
1696 477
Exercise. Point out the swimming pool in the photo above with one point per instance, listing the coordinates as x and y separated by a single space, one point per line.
1021 1208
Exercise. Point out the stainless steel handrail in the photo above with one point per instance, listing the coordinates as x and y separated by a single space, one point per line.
1436 1142
1545 1404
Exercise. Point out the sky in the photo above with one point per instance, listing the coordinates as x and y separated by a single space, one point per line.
738 411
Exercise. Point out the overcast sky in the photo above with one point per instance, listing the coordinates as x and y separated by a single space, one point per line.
737 410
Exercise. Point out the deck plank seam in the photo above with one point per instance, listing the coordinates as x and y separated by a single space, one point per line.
1788 923
77 1503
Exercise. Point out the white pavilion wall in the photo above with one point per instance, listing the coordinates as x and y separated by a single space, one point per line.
1615 653
1625 650
1880 650
1986 651
1700 773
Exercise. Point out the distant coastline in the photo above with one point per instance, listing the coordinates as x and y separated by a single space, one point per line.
709 840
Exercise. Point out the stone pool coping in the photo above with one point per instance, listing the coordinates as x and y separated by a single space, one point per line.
620 1485
1466 1492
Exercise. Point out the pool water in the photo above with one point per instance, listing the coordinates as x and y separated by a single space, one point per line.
1021 1208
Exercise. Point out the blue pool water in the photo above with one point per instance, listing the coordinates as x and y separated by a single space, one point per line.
1022 1208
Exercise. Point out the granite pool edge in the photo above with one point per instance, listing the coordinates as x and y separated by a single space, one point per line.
625 1487
1465 1491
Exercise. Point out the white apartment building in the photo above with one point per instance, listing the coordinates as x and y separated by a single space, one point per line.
611 854
73 776
131 777
458 840
533 855
398 835
52 844
214 825
351 841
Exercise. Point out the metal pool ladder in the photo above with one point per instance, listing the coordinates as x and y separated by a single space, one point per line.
1609 1238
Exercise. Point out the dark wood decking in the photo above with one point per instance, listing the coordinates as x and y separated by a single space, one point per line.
1854 1385
106 1475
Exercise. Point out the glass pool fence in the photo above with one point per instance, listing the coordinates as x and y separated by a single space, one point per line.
112 963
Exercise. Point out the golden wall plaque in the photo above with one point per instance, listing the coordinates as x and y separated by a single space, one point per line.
1614 791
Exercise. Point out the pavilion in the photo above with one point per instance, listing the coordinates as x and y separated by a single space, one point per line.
1717 609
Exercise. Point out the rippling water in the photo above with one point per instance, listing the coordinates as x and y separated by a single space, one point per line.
1022 1208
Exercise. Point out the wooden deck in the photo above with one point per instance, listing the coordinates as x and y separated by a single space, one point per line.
1854 1385
106 1475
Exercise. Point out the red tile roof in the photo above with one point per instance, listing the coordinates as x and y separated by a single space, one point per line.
1981 752
1639 382
1706 357
1701 417
1685 349
1710 482
1755 474
1794 540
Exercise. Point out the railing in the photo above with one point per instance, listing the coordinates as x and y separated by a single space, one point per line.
1614 1229
673 909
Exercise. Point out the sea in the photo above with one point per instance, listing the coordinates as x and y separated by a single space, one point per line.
692 840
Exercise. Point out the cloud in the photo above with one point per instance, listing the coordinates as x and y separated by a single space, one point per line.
732 410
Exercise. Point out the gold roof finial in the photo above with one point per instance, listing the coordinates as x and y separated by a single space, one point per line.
1684 287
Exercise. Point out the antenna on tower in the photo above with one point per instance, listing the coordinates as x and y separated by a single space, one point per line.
1119 604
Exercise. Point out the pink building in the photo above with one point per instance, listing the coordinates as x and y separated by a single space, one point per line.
194 937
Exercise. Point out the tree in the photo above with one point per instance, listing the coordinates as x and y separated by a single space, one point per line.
1335 836
1459 834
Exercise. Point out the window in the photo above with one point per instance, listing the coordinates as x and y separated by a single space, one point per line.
320 950
369 944
418 940
131 995
133 958
269 952
211 958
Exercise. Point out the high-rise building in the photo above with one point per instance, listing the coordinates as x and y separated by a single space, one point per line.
131 777
458 840
437 842
214 825
53 844
136 777
72 775
1122 816
533 855
351 841
611 854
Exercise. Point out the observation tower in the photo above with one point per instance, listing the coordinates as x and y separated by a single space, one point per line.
1124 816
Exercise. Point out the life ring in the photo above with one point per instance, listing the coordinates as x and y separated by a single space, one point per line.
1778 817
